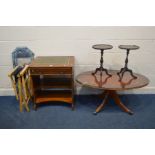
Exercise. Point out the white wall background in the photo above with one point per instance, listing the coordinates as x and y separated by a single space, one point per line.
78 41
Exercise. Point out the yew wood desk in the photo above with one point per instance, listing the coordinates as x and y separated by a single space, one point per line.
52 79
110 86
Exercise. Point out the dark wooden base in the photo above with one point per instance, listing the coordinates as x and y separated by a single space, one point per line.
122 72
112 94
101 70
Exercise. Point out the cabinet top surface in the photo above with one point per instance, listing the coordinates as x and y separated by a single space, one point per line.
53 61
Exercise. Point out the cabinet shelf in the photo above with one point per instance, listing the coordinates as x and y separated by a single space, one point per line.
45 96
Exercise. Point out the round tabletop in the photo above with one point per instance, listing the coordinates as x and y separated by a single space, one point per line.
112 83
102 47
129 47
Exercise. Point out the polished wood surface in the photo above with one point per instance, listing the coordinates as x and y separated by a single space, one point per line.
112 83
52 79
129 47
53 61
110 86
102 47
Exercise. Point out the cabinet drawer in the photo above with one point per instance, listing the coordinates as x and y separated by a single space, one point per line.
50 71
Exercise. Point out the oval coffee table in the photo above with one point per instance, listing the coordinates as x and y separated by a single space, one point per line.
110 86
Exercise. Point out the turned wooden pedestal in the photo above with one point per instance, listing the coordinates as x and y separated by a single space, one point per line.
112 94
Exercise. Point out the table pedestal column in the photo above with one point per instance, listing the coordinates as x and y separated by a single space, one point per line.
112 94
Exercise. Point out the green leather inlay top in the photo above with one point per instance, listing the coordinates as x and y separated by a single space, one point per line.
52 60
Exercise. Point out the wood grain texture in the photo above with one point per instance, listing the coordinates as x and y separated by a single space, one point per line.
112 83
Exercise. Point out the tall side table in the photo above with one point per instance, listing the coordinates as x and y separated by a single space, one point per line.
125 68
102 47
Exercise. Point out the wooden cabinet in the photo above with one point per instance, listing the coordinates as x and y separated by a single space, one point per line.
52 79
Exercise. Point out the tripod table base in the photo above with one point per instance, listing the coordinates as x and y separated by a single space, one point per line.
112 94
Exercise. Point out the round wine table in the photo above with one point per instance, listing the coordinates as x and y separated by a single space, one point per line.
111 84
